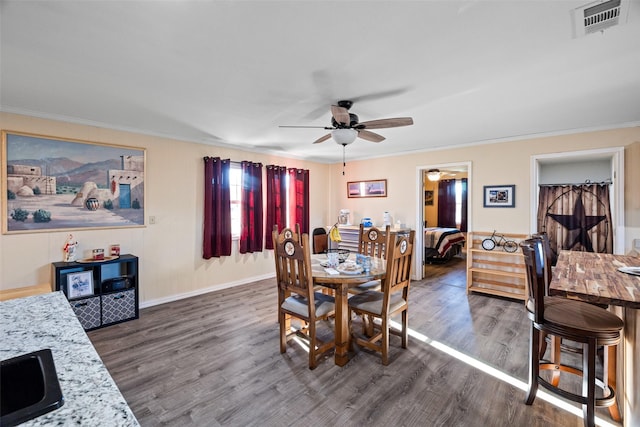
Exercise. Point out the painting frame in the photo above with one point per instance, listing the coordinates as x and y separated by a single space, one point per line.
367 188
499 196
62 184
80 284
428 197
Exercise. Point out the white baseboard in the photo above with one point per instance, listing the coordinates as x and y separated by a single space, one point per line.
176 297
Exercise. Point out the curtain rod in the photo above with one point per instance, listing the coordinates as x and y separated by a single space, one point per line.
235 162
586 182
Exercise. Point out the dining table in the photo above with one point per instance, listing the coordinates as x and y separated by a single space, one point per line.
597 278
340 280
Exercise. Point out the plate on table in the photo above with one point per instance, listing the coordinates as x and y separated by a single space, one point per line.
630 270
350 268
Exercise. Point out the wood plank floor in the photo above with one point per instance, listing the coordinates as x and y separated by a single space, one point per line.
214 360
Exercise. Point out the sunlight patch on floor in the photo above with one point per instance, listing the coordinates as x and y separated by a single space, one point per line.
496 373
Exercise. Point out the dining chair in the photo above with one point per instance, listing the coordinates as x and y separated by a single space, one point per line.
296 295
372 242
391 300
578 321
320 243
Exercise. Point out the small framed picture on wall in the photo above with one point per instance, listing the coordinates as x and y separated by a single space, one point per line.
499 196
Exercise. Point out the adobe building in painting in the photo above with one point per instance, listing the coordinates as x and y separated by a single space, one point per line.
122 188
25 180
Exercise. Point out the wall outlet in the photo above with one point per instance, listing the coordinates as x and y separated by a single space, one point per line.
152 220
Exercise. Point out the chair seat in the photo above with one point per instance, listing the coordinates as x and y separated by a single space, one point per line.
325 304
583 316
371 301
372 285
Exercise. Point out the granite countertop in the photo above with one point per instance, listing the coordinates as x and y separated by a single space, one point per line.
91 397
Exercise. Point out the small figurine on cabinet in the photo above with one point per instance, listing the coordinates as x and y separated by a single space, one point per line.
70 249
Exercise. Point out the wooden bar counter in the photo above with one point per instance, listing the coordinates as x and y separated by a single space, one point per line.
595 278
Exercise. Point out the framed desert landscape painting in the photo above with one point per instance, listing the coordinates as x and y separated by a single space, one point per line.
374 188
66 184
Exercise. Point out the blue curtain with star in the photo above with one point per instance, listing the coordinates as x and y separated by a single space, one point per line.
576 217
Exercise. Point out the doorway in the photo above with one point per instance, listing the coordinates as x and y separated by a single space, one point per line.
426 211
578 167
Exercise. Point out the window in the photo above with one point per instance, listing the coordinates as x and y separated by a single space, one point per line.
235 188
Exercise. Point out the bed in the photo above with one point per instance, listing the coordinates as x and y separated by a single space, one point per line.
442 244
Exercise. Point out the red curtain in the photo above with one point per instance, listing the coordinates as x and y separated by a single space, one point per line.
299 198
217 208
276 210
251 209
447 203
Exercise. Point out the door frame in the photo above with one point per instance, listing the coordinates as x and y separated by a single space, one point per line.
616 156
418 261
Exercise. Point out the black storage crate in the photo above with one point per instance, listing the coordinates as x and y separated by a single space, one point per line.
113 296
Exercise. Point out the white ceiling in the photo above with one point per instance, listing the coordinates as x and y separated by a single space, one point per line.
231 72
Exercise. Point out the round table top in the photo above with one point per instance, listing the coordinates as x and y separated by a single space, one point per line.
321 275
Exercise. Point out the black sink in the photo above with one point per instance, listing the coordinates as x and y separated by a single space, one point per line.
28 387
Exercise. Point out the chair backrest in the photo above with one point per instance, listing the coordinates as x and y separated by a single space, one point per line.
548 258
534 259
320 242
398 275
374 242
293 266
287 233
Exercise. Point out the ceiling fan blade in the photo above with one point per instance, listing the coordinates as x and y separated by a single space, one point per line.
341 115
385 123
306 127
370 136
322 139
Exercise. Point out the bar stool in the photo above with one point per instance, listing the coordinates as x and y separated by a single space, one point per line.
577 321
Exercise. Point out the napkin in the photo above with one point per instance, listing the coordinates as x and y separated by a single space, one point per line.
331 271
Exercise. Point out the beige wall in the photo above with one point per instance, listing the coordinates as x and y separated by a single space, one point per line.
170 251
492 164
171 264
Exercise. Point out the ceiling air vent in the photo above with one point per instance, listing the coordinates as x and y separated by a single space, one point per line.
599 16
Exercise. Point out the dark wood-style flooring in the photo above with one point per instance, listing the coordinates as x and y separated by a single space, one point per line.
214 360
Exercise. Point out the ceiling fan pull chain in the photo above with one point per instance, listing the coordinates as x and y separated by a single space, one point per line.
344 162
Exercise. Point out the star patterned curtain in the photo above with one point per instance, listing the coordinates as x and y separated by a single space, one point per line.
576 217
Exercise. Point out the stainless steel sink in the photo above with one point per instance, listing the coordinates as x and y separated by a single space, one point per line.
29 387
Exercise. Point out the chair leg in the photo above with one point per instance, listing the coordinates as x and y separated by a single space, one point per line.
405 329
385 341
534 364
312 345
589 383
609 377
556 342
283 332
543 344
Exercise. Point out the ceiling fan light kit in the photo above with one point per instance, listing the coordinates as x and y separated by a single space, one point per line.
433 175
344 136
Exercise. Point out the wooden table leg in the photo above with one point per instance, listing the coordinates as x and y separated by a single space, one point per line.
342 326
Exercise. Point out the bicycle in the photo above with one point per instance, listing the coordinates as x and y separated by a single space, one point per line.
490 243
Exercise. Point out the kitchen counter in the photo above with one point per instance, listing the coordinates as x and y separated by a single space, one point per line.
91 397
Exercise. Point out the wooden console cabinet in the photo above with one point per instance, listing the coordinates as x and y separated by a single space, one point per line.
496 272
114 297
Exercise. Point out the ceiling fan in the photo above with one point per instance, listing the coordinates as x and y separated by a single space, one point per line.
345 126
